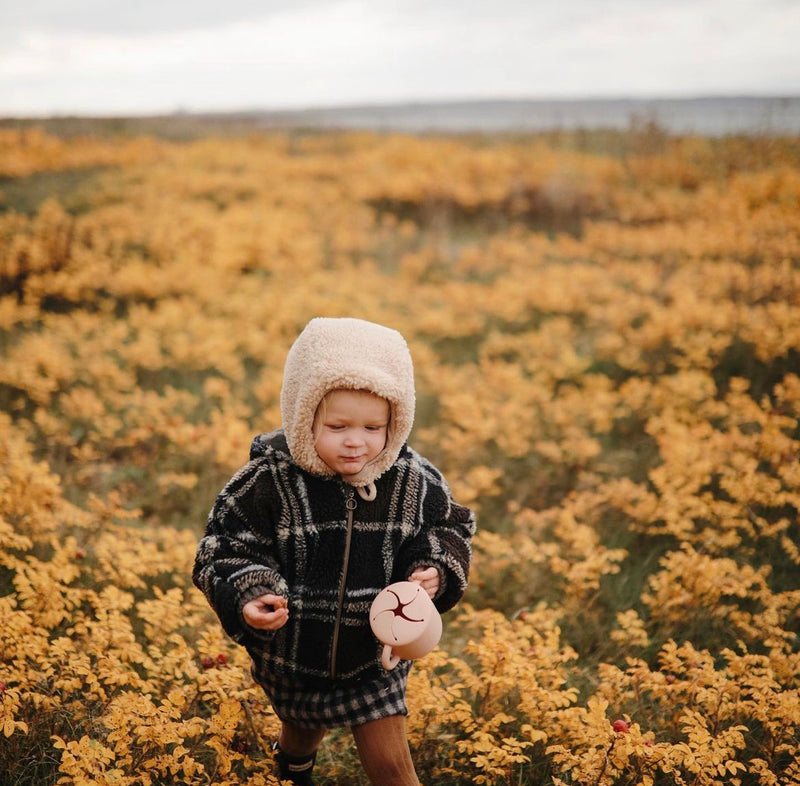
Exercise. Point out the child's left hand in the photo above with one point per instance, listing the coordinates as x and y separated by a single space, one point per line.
428 578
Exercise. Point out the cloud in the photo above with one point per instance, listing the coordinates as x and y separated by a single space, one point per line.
110 57
124 18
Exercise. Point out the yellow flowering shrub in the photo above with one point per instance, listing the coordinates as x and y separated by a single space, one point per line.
27 151
607 353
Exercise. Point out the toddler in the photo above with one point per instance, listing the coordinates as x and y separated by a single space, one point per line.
331 508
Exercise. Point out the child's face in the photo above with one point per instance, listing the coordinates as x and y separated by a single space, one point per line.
350 428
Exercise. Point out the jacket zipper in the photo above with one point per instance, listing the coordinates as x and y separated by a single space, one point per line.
350 504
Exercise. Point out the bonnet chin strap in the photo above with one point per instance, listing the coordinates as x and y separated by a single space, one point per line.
368 492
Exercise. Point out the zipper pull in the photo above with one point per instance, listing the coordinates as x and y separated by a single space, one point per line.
350 500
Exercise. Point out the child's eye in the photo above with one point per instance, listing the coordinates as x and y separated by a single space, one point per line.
374 428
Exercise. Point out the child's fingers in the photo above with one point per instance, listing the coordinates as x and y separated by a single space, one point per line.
276 601
428 578
424 574
270 620
268 612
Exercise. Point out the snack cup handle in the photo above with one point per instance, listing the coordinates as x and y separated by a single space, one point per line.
389 660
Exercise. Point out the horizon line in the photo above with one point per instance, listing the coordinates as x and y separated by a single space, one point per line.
410 103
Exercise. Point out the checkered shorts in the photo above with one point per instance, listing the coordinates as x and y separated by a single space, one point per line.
350 704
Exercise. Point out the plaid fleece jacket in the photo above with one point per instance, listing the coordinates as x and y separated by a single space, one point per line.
278 529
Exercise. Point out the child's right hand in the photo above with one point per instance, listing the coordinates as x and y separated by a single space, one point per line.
267 612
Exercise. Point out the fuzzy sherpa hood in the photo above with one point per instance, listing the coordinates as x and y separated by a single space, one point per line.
350 354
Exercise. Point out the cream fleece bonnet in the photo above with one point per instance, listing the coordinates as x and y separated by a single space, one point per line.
351 354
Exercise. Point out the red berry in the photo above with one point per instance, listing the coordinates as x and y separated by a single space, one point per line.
3 687
621 726
222 659
207 662
80 554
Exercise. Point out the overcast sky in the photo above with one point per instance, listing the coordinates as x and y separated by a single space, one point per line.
102 57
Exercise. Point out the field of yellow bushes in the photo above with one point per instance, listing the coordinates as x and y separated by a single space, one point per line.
607 348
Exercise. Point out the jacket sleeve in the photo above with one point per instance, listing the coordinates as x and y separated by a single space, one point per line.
233 563
444 540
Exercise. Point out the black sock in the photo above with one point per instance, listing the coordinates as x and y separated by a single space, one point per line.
296 769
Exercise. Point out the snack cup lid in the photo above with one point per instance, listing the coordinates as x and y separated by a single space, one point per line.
399 614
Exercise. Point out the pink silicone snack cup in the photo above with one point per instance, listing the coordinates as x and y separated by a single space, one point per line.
404 619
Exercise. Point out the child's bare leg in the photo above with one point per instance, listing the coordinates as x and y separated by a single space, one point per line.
383 749
298 741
